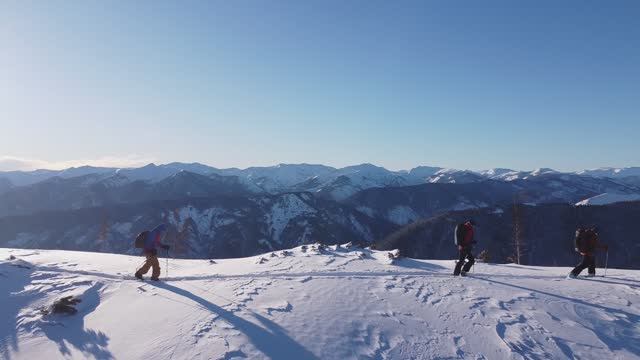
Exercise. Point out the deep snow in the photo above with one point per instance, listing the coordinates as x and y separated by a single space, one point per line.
307 303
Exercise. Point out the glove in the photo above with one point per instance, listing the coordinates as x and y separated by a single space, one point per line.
577 250
166 247
460 247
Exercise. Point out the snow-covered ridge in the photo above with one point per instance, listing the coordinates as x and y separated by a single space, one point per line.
611 172
338 184
288 175
609 198
311 302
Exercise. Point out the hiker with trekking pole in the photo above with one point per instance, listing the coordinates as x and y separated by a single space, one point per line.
587 242
149 241
464 240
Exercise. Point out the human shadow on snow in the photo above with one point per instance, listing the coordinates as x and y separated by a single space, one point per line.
417 265
271 340
14 278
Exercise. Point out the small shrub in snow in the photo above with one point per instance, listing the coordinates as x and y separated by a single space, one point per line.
304 248
262 260
484 256
11 257
65 306
212 262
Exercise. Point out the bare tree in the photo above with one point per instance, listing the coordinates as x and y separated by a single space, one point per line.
518 239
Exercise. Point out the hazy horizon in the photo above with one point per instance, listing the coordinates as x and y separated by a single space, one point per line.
8 164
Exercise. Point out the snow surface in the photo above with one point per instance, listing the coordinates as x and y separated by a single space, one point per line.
609 198
312 303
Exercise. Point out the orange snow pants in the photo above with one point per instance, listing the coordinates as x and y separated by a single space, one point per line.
152 262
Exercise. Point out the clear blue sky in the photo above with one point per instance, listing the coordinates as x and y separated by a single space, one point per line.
465 84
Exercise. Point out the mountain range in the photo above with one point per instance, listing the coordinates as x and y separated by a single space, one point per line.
242 212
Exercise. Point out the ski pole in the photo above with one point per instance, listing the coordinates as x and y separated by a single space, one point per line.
606 263
166 269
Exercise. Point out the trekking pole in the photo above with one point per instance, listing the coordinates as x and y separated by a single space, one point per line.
166 268
606 263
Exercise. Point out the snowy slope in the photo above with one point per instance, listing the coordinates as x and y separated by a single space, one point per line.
308 303
609 198
454 176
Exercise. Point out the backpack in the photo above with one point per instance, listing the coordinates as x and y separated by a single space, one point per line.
579 242
460 232
141 239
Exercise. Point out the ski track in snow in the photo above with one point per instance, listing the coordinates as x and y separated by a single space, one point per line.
312 303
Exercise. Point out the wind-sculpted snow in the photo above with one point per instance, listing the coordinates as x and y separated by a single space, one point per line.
311 302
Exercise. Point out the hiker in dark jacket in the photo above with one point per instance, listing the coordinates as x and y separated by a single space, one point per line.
587 242
152 241
464 240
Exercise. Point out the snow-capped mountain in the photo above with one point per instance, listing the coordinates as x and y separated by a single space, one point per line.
309 303
279 178
342 183
337 184
221 225
423 173
454 176
155 173
495 172
403 205
100 190
611 172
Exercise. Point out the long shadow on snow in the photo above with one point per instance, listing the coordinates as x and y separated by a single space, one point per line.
69 329
625 336
426 270
600 280
621 279
14 277
271 340
418 265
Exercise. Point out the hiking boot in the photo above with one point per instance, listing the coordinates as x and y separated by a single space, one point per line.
464 273
138 276
571 276
155 279
591 275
